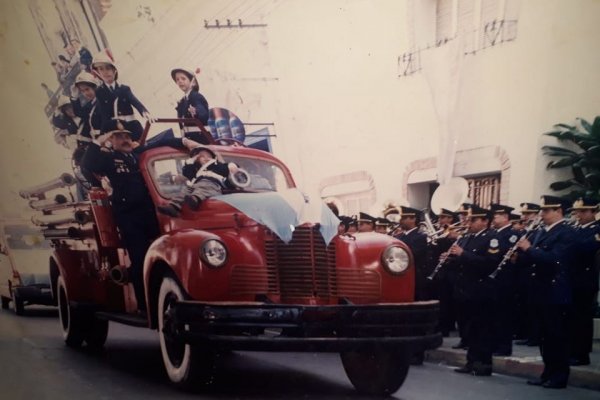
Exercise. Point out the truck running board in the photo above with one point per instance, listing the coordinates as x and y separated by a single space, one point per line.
123 318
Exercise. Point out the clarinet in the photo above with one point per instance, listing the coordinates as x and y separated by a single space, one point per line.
507 256
443 260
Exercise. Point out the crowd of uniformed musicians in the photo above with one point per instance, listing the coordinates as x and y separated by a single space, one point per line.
500 276
497 275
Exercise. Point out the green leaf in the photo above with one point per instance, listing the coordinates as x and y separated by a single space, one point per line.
555 134
593 151
586 125
596 128
563 162
565 126
558 151
593 179
561 185
579 176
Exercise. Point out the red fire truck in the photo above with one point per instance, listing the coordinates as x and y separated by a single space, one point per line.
241 273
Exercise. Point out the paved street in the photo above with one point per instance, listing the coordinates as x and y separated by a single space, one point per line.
36 364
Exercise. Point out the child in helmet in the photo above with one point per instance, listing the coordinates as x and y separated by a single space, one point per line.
117 101
192 105
89 127
65 122
207 176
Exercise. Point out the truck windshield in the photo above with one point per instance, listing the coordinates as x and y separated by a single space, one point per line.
264 175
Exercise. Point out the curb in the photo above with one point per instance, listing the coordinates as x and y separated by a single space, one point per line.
523 367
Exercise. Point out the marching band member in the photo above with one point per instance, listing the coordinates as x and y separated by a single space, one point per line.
584 278
366 223
504 282
417 242
529 325
477 258
548 255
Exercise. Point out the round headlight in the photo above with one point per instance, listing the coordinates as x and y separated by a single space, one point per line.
214 253
395 260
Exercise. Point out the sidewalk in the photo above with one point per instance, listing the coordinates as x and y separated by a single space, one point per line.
525 362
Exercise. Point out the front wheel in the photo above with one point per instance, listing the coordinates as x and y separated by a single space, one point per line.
18 303
186 365
376 372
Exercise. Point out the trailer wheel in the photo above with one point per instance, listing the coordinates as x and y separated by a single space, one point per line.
376 372
17 303
186 365
72 322
5 302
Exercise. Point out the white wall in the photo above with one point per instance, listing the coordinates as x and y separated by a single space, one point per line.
326 73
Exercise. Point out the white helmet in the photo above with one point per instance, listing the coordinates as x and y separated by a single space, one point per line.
191 73
63 101
103 58
86 77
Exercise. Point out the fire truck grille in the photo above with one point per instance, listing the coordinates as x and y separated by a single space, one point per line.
305 267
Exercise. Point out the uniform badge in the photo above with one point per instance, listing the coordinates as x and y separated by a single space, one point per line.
493 246
513 239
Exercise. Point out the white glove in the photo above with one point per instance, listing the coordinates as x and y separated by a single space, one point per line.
74 92
149 117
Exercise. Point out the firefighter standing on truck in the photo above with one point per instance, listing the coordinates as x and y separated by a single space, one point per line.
132 206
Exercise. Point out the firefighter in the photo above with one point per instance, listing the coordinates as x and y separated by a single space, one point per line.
132 206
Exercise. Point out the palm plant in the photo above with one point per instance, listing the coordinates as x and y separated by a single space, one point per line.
584 161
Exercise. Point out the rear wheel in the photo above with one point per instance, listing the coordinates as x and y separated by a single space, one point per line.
5 302
71 320
376 372
187 366
17 303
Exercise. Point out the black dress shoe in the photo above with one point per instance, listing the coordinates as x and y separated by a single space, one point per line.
467 369
554 385
192 201
536 382
502 354
169 210
579 361
460 345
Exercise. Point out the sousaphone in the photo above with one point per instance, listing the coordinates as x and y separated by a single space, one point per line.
450 195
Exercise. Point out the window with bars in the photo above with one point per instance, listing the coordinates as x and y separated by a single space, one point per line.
464 16
484 190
